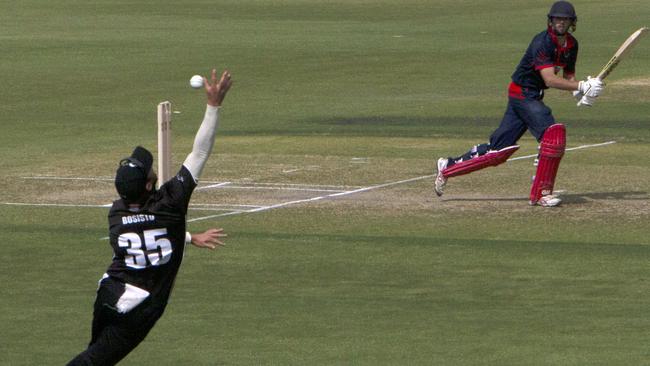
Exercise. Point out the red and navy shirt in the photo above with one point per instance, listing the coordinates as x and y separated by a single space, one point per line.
543 52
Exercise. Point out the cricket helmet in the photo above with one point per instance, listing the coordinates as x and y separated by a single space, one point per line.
132 173
562 9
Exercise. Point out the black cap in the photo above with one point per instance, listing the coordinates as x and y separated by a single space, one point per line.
562 9
131 175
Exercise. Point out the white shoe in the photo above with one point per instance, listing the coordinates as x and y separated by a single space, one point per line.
440 179
549 201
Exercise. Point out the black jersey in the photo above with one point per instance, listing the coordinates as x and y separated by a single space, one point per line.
545 51
148 243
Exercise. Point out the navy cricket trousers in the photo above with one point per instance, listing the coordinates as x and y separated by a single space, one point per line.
521 115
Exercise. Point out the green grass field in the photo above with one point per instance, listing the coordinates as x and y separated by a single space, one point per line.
354 96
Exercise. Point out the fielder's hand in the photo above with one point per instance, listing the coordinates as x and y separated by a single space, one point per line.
209 239
216 91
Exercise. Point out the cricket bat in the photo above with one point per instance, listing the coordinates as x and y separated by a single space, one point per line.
619 55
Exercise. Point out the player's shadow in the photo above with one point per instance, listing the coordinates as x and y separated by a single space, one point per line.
485 198
567 198
598 196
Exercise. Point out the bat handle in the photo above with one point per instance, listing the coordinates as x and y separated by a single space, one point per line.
582 103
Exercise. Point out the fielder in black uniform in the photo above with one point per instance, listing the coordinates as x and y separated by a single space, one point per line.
148 236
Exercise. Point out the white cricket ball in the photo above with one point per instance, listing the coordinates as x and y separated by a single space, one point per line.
196 81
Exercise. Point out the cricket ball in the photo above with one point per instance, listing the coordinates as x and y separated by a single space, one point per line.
196 81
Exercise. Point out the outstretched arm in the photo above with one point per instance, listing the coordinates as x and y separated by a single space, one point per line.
216 92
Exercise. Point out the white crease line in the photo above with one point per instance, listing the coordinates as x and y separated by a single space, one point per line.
264 208
218 184
44 177
382 185
288 185
569 149
369 188
219 215
313 199
285 189
217 209
212 186
53 204
198 207
222 205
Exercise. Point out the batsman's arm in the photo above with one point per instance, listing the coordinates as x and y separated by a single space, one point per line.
590 88
553 81
569 76
204 140
577 94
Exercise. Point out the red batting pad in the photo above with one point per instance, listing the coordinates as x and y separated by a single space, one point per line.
491 158
551 151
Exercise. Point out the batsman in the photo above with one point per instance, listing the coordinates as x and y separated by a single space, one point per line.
550 53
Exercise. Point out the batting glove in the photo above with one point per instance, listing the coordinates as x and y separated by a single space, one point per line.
586 100
591 87
577 95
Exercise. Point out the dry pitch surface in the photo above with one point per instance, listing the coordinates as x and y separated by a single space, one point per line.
239 184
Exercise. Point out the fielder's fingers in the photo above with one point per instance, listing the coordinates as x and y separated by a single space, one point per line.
224 82
212 246
217 232
208 244
217 241
215 237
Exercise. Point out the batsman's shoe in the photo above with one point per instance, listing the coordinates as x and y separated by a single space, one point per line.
439 185
549 200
